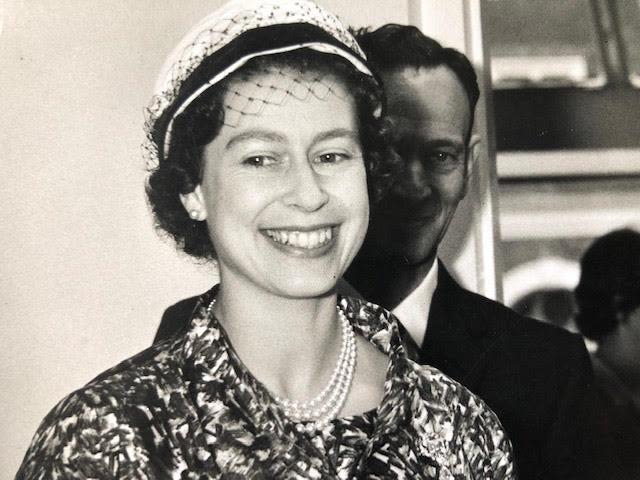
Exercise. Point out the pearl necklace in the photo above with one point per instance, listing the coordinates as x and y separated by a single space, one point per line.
324 407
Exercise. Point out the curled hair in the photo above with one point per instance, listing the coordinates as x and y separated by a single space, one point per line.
181 169
609 287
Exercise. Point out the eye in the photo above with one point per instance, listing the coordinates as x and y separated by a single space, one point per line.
442 157
442 160
332 157
259 161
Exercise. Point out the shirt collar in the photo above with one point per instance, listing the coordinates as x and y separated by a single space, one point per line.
413 311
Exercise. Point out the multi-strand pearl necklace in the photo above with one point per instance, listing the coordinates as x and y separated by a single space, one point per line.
325 406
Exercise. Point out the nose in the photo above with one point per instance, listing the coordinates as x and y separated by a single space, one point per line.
414 180
306 189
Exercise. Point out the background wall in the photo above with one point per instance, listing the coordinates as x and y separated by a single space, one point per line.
83 277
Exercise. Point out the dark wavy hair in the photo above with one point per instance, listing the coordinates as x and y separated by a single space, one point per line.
181 169
609 287
394 47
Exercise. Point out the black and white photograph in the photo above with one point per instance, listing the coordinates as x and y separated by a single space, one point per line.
320 239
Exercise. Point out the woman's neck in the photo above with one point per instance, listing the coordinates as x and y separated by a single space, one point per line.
289 344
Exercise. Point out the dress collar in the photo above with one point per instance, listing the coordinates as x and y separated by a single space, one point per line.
217 378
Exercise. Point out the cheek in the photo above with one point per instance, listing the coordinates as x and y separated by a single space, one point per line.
229 192
231 203
355 205
452 188
356 200
359 197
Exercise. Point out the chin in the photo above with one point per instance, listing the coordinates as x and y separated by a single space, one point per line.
305 286
421 253
418 259
408 256
421 247
307 290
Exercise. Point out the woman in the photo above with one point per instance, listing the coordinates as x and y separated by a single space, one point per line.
263 134
608 302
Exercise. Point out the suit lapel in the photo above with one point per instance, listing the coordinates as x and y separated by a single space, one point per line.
457 340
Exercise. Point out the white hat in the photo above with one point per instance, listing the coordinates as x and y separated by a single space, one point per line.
227 39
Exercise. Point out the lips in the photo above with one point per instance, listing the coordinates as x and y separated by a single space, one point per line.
303 239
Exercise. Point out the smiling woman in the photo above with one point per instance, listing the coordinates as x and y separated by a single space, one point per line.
265 143
305 177
284 170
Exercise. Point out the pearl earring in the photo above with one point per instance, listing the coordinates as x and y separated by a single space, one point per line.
194 214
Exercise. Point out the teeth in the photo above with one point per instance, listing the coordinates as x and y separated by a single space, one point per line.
313 239
308 240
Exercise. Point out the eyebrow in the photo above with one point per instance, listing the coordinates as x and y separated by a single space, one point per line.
443 142
264 135
269 136
336 133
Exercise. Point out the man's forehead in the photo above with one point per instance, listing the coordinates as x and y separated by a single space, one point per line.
404 86
427 98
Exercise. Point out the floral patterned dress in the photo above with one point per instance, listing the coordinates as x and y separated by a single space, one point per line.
187 408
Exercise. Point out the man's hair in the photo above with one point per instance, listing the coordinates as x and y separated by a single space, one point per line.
394 47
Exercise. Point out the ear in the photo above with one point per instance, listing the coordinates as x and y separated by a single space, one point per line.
473 157
194 204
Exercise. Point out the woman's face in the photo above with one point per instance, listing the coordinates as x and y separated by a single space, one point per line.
284 189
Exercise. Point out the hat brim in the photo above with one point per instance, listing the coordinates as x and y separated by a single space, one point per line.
253 43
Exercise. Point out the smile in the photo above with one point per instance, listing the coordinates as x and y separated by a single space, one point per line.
302 239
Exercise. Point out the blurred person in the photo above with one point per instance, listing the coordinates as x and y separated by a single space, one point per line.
608 312
534 376
265 141
550 305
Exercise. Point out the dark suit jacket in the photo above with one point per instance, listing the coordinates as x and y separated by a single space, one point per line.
532 375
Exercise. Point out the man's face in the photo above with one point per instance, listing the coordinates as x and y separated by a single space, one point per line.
431 120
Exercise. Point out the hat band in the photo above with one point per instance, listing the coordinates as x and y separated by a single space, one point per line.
249 45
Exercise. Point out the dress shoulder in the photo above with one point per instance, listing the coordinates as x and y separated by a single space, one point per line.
77 439
87 433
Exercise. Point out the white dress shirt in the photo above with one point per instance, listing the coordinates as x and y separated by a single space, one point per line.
413 311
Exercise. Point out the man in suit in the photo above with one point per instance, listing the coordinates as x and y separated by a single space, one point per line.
532 375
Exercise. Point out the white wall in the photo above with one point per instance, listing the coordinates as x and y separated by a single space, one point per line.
83 277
